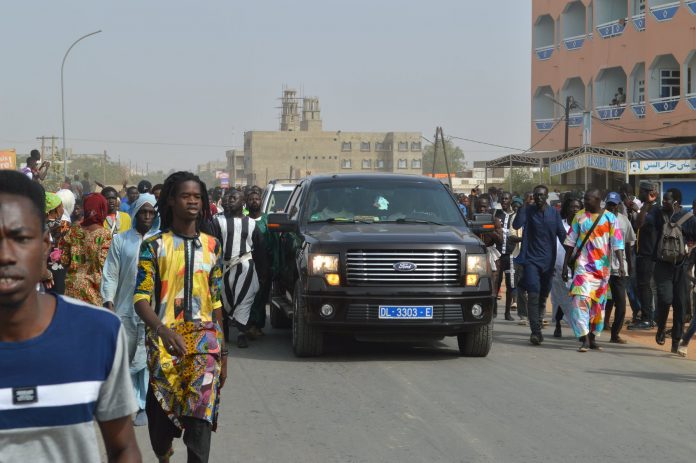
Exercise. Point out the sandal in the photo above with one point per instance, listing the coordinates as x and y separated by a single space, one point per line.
165 458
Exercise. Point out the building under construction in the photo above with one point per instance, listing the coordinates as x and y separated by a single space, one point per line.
302 147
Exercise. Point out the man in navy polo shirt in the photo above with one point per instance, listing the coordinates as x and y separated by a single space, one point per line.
63 363
542 226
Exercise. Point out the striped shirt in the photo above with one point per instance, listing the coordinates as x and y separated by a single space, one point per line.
53 386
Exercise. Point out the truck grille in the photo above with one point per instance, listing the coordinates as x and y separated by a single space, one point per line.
370 312
429 267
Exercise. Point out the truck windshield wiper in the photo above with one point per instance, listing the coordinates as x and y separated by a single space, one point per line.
407 220
342 220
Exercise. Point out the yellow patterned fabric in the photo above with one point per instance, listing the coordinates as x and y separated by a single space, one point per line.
184 276
181 291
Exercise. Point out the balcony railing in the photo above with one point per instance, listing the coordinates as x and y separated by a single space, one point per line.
544 125
692 6
575 42
691 99
544 53
664 105
638 109
607 113
611 29
666 11
639 22
574 119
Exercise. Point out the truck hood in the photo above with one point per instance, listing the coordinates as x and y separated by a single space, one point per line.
359 234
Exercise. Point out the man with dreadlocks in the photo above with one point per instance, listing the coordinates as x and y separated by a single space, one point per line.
179 274
244 262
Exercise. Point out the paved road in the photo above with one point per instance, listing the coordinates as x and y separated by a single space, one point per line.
405 403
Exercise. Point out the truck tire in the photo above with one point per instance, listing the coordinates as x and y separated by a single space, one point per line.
307 340
476 343
279 320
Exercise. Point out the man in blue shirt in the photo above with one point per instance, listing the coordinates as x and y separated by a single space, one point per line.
63 362
542 226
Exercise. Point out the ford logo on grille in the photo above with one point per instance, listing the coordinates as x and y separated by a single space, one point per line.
405 266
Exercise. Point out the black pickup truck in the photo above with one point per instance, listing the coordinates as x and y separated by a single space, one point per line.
379 255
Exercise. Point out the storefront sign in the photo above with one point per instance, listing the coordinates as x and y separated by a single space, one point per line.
224 178
666 166
593 161
8 160
610 163
568 165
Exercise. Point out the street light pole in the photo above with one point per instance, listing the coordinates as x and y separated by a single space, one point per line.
62 99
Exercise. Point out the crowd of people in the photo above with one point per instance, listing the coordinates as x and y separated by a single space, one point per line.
177 266
591 255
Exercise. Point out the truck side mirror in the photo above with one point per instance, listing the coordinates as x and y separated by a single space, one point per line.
482 223
280 222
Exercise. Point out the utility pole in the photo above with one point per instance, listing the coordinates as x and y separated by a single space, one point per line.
104 169
53 139
440 138
569 103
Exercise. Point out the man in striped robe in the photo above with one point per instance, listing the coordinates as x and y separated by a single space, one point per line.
244 262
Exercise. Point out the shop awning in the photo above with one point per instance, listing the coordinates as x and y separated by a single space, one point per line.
670 152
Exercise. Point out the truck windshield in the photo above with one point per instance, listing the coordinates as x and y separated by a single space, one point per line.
278 200
397 201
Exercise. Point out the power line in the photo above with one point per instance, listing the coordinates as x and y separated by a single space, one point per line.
128 142
483 143
131 142
544 137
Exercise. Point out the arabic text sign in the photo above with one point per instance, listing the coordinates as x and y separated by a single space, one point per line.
666 166
8 160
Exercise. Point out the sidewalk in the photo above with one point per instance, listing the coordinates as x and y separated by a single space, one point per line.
641 337
647 338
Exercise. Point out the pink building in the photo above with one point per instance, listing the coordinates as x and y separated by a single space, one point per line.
628 67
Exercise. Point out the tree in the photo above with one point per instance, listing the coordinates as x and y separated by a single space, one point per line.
455 156
524 179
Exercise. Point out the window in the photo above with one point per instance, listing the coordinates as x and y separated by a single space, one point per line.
365 146
641 91
403 164
367 164
669 83
416 164
415 146
291 206
379 146
346 146
403 146
379 163
346 164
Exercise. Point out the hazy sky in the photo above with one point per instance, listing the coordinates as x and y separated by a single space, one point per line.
203 72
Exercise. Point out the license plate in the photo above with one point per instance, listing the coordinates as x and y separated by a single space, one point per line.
402 312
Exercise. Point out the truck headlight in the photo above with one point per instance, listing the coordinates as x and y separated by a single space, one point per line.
476 266
321 264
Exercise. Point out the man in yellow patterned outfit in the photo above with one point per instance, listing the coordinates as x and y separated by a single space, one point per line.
179 275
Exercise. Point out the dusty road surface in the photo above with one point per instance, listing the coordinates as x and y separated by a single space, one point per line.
415 403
